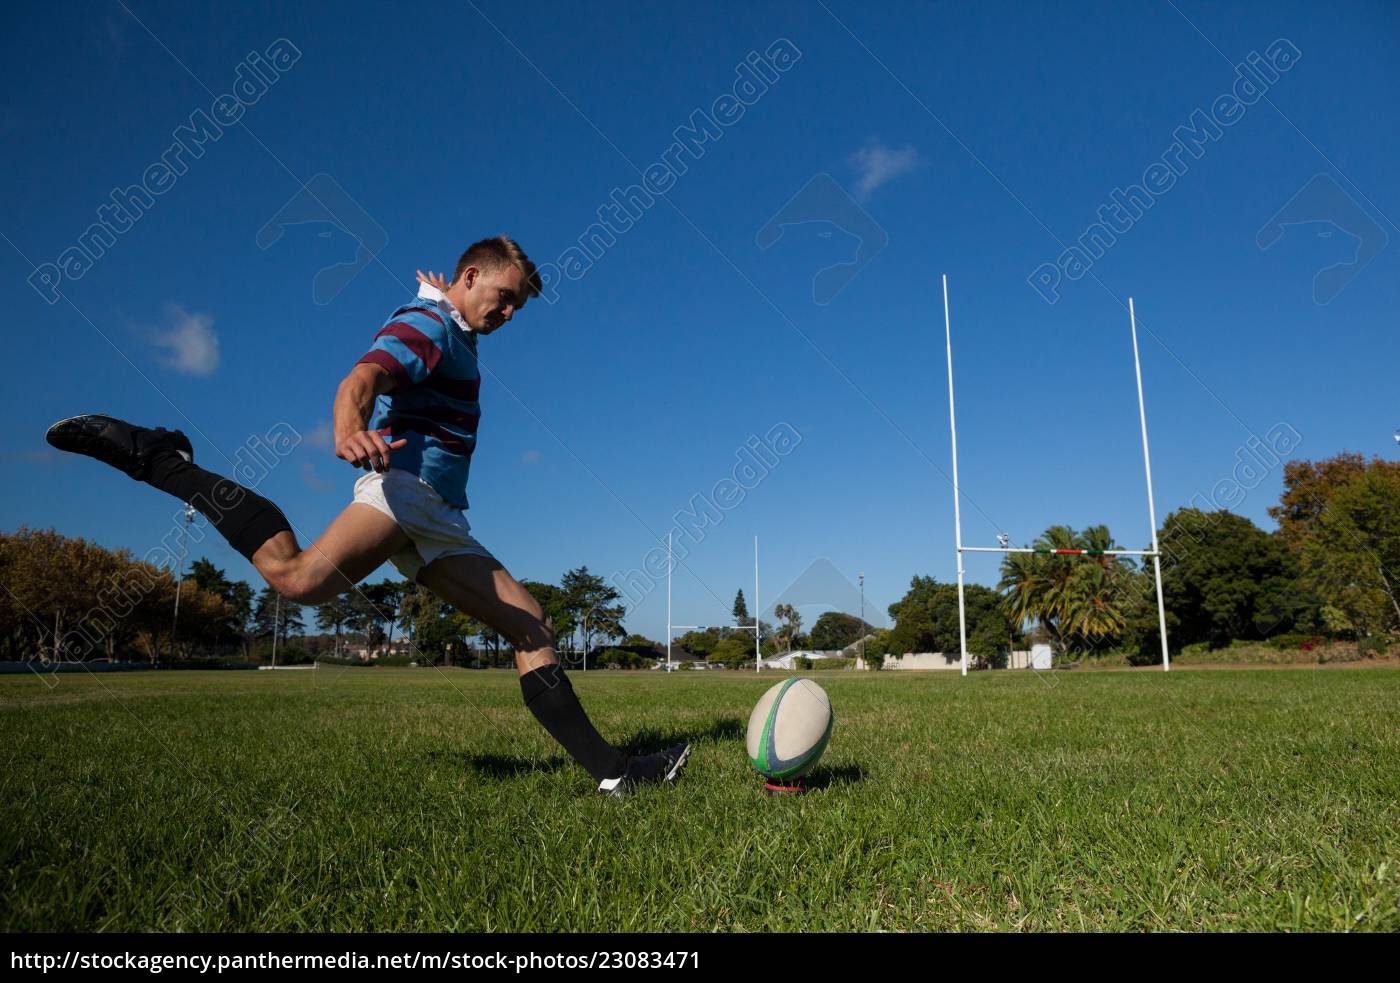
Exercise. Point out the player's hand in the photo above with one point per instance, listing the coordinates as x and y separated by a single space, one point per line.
432 279
366 449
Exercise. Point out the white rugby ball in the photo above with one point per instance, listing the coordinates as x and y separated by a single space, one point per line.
789 729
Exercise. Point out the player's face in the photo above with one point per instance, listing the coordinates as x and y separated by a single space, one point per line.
492 297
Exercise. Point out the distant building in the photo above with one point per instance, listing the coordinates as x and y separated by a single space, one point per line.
788 660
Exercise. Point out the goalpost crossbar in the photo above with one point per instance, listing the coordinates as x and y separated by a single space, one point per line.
1046 549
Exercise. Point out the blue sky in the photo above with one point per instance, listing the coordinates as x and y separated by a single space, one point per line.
978 140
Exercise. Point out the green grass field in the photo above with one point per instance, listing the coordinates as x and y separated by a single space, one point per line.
416 799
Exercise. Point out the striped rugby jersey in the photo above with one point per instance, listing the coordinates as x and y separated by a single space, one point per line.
430 351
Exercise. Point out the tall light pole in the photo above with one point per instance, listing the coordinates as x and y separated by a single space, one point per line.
586 638
180 573
276 616
862 617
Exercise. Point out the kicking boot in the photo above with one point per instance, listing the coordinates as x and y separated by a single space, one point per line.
647 769
129 449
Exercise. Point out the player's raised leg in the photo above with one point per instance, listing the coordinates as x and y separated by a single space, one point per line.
482 588
359 540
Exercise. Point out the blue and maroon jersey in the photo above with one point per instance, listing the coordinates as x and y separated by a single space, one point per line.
431 354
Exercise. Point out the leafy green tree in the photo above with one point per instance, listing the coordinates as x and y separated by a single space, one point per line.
285 614
1223 578
1080 600
434 631
836 630
926 620
555 604
1352 552
592 605
376 611
876 648
741 610
334 614
791 627
700 644
731 652
1308 486
239 599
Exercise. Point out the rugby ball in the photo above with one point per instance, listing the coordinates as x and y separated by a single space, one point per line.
789 729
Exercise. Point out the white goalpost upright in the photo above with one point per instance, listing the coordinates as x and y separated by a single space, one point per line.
671 629
1154 552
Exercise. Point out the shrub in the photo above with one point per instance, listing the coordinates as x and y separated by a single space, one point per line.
287 654
1288 643
819 665
618 658
1373 645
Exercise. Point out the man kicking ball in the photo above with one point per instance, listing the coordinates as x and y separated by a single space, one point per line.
421 383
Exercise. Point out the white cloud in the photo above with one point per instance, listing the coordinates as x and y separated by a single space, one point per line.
188 344
320 438
878 164
40 455
312 479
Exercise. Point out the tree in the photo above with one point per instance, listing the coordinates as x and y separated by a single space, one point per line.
239 599
741 610
375 612
272 608
791 625
730 652
836 630
875 649
209 577
1309 485
334 614
369 610
1352 552
422 608
1080 600
591 603
700 644
1224 578
555 604
52 578
926 620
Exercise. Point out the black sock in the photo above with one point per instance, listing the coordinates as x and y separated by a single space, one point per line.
550 697
244 518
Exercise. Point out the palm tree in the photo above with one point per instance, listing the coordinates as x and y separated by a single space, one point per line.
792 624
1080 601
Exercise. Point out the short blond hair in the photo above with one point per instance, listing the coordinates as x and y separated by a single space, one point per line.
498 251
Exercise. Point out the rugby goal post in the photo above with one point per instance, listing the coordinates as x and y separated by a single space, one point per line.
671 628
1004 546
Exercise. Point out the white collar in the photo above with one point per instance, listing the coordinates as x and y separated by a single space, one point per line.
427 291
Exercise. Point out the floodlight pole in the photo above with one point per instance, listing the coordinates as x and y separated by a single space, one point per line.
957 506
670 560
180 574
1151 507
757 611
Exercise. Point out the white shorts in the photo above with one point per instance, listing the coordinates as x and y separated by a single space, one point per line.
435 528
